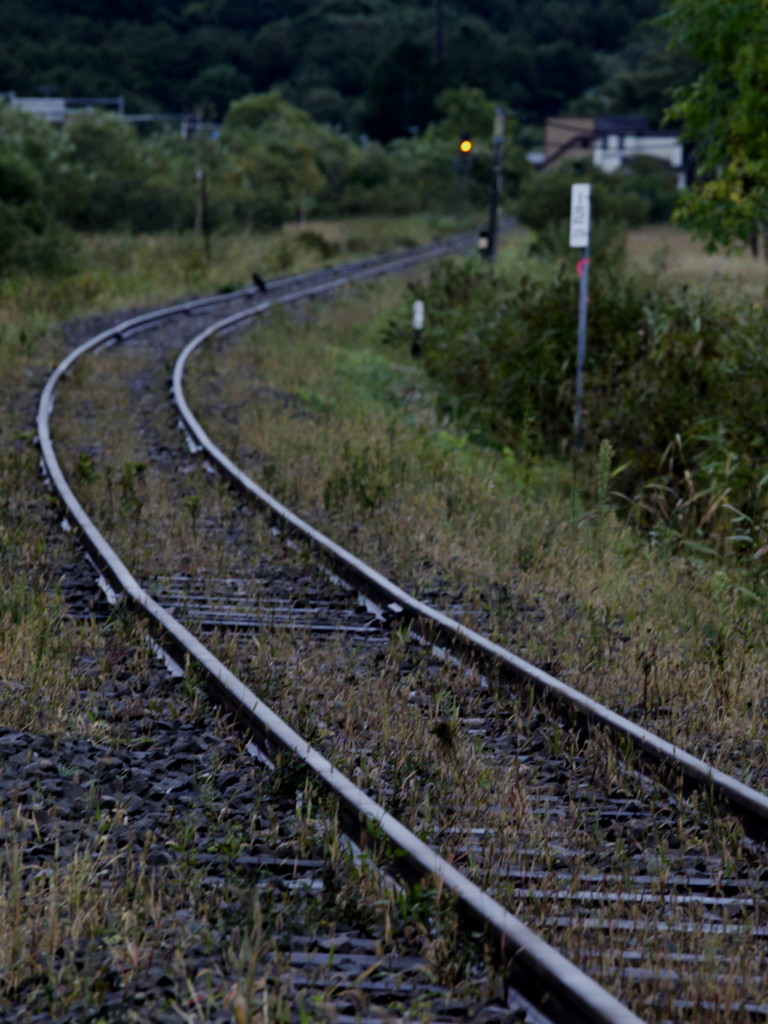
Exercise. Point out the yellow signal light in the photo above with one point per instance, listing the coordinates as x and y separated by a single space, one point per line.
465 146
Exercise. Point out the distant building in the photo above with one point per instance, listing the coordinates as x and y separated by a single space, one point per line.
56 109
607 142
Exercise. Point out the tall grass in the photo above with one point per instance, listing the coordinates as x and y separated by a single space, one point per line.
119 272
335 416
360 436
684 260
675 376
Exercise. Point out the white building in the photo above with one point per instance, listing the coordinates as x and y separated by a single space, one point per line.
609 142
56 109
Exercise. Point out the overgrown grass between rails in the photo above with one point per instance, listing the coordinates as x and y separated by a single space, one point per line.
379 466
101 923
49 667
122 271
330 417
123 492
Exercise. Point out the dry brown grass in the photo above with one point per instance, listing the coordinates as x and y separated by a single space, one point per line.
684 259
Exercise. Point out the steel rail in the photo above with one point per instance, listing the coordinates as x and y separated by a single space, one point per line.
318 275
667 761
554 984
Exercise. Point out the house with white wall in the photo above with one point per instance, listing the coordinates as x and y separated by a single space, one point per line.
608 142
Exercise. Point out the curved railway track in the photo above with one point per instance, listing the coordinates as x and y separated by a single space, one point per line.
638 872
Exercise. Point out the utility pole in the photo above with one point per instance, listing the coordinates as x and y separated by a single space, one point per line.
203 216
498 155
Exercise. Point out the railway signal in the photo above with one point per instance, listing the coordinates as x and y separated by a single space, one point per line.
488 248
463 161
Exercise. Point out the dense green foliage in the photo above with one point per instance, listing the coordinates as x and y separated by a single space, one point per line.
270 163
675 381
293 85
643 190
724 113
366 65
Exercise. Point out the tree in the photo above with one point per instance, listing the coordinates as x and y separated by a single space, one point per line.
401 91
30 237
564 70
101 180
723 115
463 111
215 87
277 152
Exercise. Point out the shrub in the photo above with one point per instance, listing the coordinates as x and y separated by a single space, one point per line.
545 198
31 241
675 380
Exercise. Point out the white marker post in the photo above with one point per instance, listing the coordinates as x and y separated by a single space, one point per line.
417 322
581 209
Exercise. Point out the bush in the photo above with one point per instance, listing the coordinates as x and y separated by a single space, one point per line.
644 190
654 181
31 241
545 198
675 379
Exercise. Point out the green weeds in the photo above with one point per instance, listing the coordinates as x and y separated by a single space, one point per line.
499 534
675 379
548 563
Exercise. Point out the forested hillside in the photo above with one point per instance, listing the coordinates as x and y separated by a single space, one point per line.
371 66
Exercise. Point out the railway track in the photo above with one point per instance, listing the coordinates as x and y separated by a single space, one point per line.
658 892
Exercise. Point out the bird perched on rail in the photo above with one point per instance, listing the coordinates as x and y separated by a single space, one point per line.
259 282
